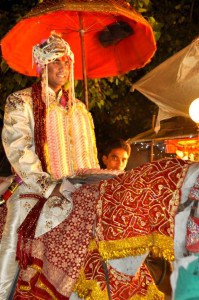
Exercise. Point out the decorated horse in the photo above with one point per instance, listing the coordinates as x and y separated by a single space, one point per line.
99 250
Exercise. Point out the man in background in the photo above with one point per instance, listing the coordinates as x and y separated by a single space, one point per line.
116 155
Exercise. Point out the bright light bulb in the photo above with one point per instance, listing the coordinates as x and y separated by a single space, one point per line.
194 110
179 153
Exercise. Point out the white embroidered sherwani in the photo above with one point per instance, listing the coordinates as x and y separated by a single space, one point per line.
70 146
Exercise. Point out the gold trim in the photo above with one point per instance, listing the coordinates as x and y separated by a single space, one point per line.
92 245
36 267
89 289
152 293
47 289
159 245
125 247
163 246
106 7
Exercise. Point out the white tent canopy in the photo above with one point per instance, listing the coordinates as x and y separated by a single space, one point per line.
174 84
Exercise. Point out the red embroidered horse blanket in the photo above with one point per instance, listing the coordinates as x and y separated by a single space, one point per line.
134 213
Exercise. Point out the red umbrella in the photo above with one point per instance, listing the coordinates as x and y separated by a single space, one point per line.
108 38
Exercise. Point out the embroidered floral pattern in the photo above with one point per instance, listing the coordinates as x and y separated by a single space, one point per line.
3 212
63 248
145 198
15 102
192 238
20 153
43 182
26 205
194 193
135 205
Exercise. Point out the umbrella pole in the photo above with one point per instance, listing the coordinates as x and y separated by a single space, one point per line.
85 82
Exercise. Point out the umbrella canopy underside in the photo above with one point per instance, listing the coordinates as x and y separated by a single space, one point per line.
87 20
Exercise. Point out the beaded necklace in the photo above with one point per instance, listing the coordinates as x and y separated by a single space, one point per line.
39 109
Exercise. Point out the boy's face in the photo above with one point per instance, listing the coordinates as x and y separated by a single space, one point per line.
116 160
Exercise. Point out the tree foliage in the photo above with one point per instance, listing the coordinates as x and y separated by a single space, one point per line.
117 112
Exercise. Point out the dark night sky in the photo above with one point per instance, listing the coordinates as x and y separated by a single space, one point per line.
6 4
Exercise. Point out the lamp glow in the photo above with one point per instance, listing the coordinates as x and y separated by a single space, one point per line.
194 110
